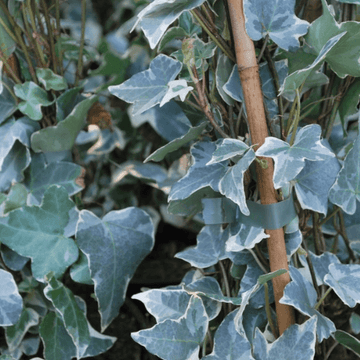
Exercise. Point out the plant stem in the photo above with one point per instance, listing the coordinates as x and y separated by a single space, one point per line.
345 237
268 311
57 35
50 35
10 70
227 287
35 33
214 35
297 118
82 41
263 48
322 298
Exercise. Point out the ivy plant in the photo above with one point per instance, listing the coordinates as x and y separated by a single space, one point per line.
260 153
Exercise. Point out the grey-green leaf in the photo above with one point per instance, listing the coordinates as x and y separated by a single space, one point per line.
37 233
34 98
11 302
114 246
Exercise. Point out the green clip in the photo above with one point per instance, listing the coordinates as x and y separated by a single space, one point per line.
271 217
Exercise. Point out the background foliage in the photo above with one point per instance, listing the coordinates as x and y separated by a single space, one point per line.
87 181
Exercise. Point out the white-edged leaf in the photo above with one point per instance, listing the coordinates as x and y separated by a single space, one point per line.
313 183
210 247
147 88
228 343
346 189
11 302
232 183
177 339
290 160
73 317
114 246
226 149
199 175
11 131
276 19
344 279
300 294
297 342
176 88
158 15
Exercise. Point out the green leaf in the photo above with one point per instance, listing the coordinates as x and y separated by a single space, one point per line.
7 44
8 104
171 34
57 342
228 343
16 198
40 176
66 102
13 166
325 28
37 233
348 341
223 71
74 319
192 134
14 334
348 104
80 271
50 80
35 97
62 136
147 88
294 80
15 130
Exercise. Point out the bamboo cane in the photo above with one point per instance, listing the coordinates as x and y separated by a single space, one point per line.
249 75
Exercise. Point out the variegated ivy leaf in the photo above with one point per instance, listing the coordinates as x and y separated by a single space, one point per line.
176 88
232 183
301 337
11 302
210 247
227 149
314 182
177 339
199 175
157 16
344 279
147 88
300 294
346 189
35 97
114 247
290 160
223 71
276 19
228 343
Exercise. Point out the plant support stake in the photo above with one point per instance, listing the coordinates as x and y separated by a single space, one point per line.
249 75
